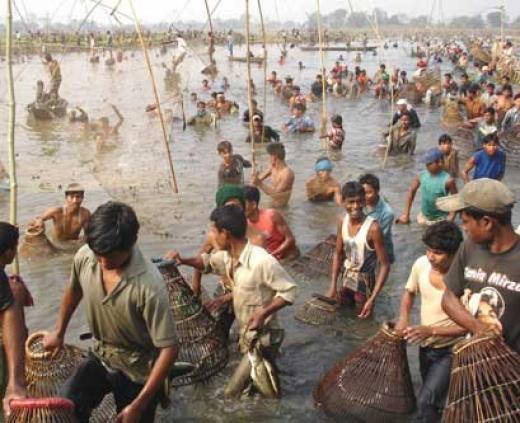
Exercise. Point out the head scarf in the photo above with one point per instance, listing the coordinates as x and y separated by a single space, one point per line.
323 164
227 192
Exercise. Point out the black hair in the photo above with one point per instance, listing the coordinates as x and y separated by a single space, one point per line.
444 236
224 146
444 139
277 150
9 236
370 179
337 119
230 218
465 75
352 189
503 219
48 57
493 137
507 87
490 84
490 110
299 107
112 227
252 193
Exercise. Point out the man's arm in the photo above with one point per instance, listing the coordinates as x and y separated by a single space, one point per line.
289 241
405 217
451 187
470 164
71 298
13 334
337 262
407 301
257 320
195 262
47 215
158 374
375 235
284 184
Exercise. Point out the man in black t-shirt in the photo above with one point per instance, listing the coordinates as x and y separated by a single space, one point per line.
483 283
11 317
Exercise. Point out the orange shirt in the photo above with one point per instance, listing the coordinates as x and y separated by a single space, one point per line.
474 108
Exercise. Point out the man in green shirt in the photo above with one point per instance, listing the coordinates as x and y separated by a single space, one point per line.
126 301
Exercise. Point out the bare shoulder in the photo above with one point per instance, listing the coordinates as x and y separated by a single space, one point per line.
85 213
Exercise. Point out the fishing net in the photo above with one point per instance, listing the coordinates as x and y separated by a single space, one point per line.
316 262
41 410
35 244
201 341
371 384
484 383
46 372
317 311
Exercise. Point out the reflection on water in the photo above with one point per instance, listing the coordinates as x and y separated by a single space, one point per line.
132 167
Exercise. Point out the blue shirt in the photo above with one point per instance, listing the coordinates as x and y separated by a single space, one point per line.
487 166
384 215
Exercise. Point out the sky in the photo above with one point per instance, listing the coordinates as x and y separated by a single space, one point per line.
150 11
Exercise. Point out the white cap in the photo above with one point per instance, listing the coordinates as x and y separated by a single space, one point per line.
402 102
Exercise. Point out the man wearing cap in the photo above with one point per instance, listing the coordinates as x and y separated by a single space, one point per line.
404 107
483 284
69 219
323 186
434 183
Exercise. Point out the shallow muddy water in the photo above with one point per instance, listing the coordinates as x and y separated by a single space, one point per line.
132 167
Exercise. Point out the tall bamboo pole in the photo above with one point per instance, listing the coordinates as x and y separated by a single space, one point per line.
264 46
157 99
13 205
211 40
249 89
323 121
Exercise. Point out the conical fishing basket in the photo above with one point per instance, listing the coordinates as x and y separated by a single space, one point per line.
201 341
481 55
317 262
451 113
42 410
484 383
372 384
317 311
428 79
35 243
47 372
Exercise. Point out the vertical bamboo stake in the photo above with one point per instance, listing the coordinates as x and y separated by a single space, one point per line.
157 99
264 37
323 122
249 90
13 206
211 40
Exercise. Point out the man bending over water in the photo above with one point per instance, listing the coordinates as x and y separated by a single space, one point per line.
68 219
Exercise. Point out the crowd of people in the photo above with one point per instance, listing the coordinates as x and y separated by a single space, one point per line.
466 286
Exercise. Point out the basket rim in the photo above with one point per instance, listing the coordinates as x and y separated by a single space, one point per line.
45 402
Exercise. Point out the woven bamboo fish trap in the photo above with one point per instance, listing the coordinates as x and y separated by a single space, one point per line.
484 383
372 384
481 55
47 372
317 262
42 410
428 79
35 244
201 341
317 311
451 114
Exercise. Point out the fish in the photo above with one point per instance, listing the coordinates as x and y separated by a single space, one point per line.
263 373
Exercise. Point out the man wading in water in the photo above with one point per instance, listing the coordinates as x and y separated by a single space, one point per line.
261 286
70 219
126 300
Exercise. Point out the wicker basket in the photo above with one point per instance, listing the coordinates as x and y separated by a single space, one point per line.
46 373
35 244
511 144
372 384
317 262
201 341
41 410
484 383
317 311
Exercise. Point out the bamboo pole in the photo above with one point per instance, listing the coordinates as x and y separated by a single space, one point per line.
157 99
264 46
323 121
249 90
13 205
211 42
